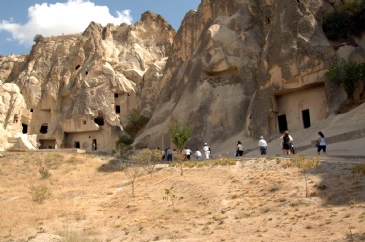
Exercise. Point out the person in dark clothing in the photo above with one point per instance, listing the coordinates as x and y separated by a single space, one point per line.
286 143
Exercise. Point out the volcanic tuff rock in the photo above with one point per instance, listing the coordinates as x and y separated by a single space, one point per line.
234 67
73 83
249 67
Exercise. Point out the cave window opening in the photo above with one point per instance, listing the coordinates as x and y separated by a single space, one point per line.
116 95
31 110
77 67
44 129
86 73
77 145
84 122
117 109
25 128
99 121
267 20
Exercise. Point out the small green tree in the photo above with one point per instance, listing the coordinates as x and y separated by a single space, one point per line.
123 146
347 75
136 122
180 134
170 195
148 159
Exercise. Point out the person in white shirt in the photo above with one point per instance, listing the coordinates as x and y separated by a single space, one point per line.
262 146
206 151
198 154
186 152
322 143
239 149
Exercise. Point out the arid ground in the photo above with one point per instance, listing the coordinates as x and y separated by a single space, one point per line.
87 198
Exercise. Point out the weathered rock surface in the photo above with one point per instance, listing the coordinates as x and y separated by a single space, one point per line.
234 67
248 67
72 84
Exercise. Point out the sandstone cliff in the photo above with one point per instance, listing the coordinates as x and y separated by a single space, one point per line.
251 68
73 84
234 67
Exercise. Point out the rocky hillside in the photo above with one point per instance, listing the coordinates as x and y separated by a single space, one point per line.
234 67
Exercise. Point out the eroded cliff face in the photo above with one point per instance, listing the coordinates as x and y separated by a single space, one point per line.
248 67
234 67
79 88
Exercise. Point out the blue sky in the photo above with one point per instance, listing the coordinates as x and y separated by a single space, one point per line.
21 20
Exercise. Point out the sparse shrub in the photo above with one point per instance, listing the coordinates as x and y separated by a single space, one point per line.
358 168
304 165
274 189
148 159
44 173
278 160
40 193
224 161
190 164
132 170
170 195
38 37
73 160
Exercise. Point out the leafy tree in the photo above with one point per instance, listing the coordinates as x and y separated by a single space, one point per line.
180 134
38 37
136 122
123 146
349 20
347 75
148 159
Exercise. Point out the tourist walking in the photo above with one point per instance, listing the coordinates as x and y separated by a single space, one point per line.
321 143
169 154
262 146
186 152
206 151
286 140
198 154
239 149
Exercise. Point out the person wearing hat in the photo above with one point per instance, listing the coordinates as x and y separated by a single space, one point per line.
206 151
263 146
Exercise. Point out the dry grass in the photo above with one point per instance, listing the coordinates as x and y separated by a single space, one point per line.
224 200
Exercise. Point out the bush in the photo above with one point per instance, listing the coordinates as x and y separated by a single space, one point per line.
123 146
136 122
336 25
38 37
347 75
349 21
358 168
40 193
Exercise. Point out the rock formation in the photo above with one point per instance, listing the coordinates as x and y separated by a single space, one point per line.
248 67
234 67
79 88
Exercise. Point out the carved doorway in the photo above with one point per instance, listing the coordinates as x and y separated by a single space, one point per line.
283 126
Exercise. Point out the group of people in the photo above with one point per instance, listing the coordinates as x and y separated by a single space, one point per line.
286 144
168 153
